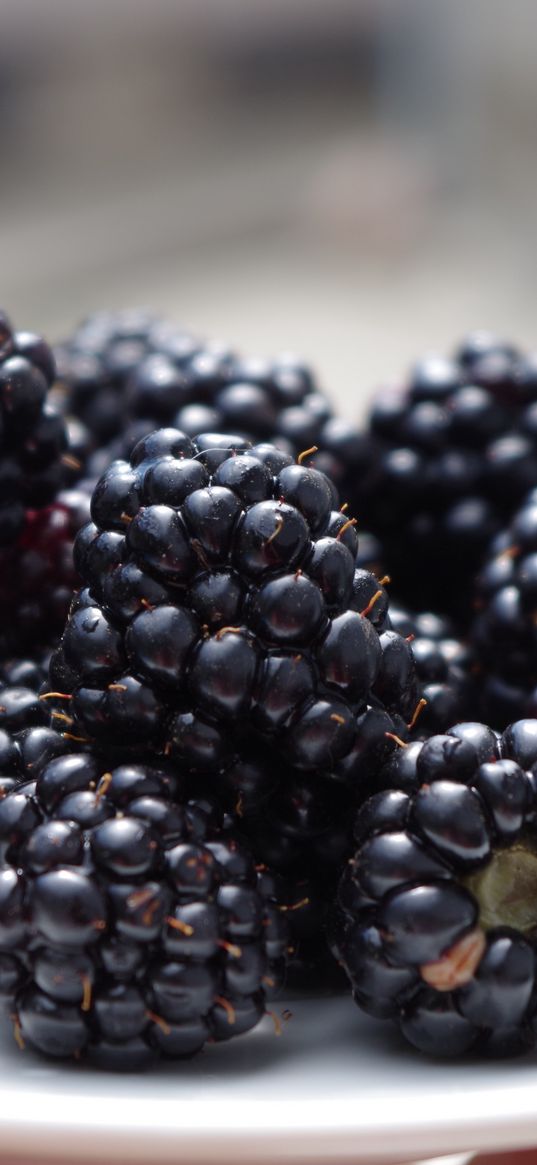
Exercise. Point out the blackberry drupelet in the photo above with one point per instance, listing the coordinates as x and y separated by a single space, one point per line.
124 373
504 629
436 922
456 453
445 665
225 626
131 925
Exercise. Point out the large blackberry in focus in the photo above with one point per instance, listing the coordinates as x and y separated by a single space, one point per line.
504 631
124 373
436 923
225 626
456 453
131 925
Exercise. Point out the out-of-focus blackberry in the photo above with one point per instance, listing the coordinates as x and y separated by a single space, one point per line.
437 923
32 435
37 521
131 925
37 575
505 627
456 453
445 666
225 625
124 373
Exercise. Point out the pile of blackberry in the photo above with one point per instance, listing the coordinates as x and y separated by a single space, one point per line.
126 373
179 773
131 925
456 452
436 920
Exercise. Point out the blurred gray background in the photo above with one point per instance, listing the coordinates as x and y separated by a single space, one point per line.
352 180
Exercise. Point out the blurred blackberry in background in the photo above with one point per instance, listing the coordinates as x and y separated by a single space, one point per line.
504 631
436 924
131 925
33 437
37 575
124 373
224 625
38 516
445 666
456 453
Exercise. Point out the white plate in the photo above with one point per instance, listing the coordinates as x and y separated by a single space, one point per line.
336 1087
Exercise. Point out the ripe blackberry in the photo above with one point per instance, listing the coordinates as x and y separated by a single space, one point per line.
131 925
456 453
37 575
27 742
444 665
37 520
504 627
32 435
436 924
123 373
225 626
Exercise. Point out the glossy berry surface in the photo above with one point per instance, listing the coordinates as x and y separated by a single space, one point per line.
225 625
436 925
224 612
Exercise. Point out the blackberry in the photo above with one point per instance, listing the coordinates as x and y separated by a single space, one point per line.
503 631
32 435
123 373
225 626
455 455
37 520
27 742
436 923
445 666
131 924
37 575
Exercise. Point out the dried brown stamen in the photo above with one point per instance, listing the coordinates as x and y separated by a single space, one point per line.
347 526
458 965
229 1010
307 453
421 704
